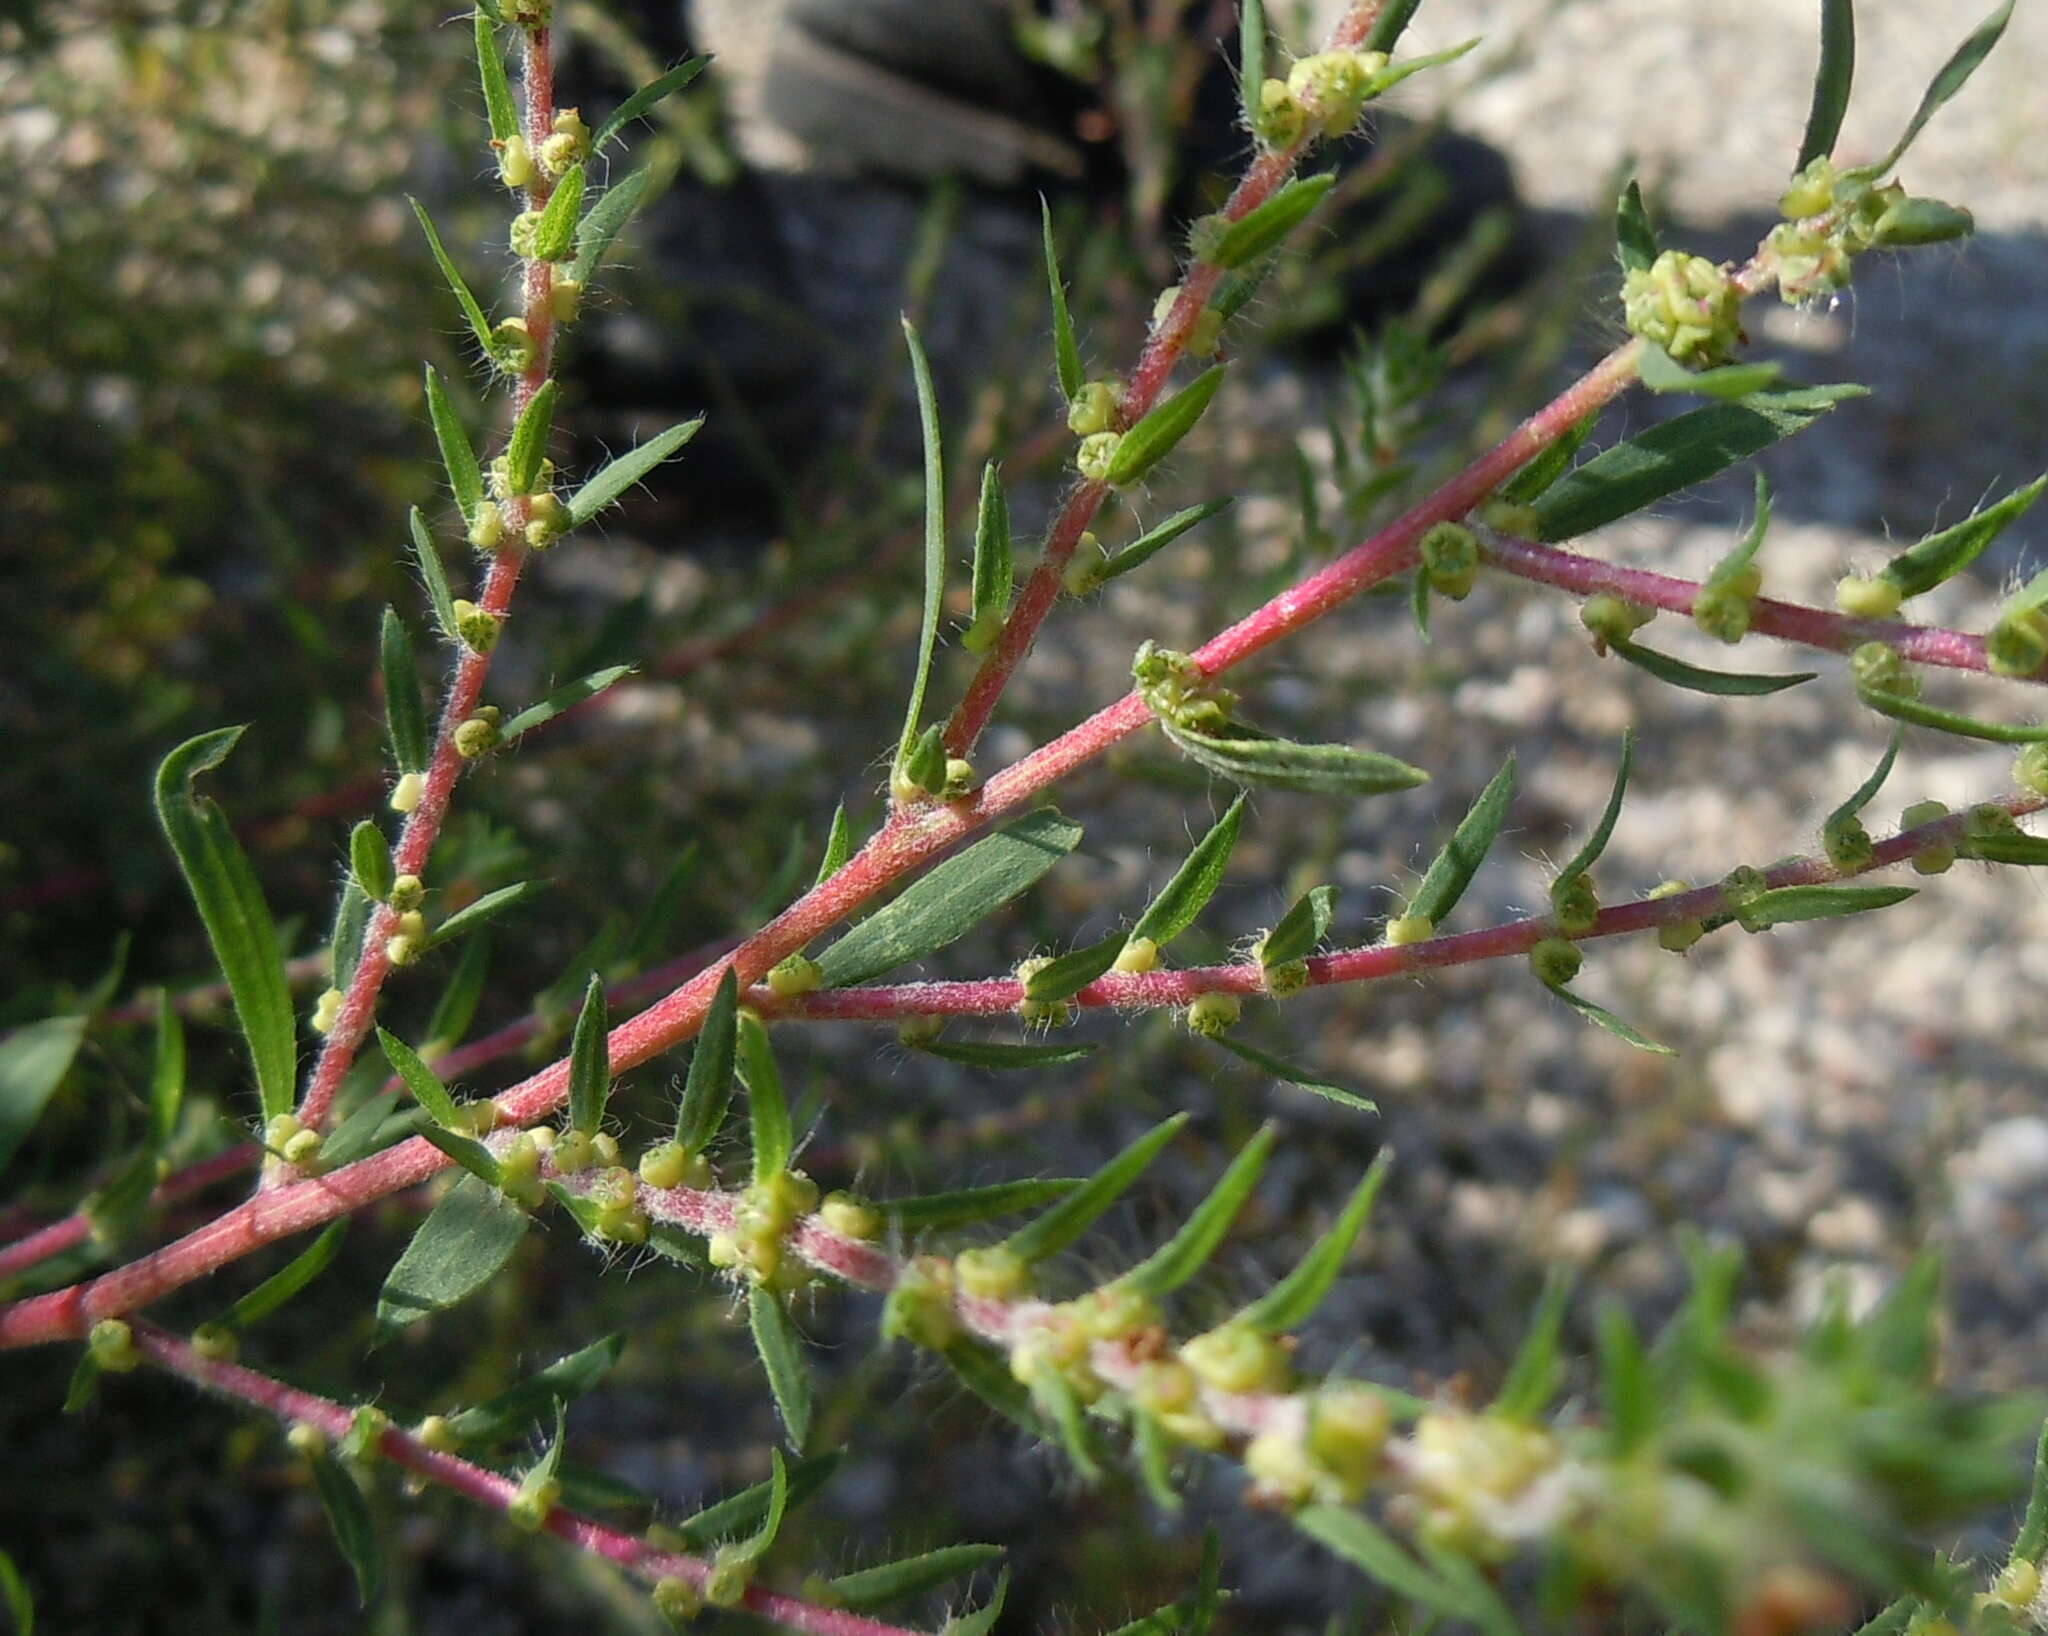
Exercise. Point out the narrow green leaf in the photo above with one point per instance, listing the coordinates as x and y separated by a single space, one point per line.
1251 58
1866 791
1635 240
2029 598
1955 73
1697 679
351 924
1155 1467
479 325
1072 1216
1000 1055
1260 761
231 905
1301 930
995 572
644 99
1736 560
1387 26
528 445
490 66
838 846
1290 1074
1601 1016
2032 1538
1260 230
348 1514
404 714
755 1545
1596 843
1482 1603
166 1075
1534 478
377 1124
1661 372
1533 1377
923 765
1374 1552
425 1085
1188 1251
486 909
1418 603
83 1387
1452 869
707 1091
604 221
1184 897
767 1107
555 233
1055 1395
1155 540
1394 73
1830 82
952 899
934 540
964 1207
1625 1384
458 1249
1918 714
1164 425
1787 904
458 458
612 479
1943 555
746 1509
2030 851
1289 1302
286 1282
563 698
21 1606
1066 352
514 1411
428 559
33 1063
590 1073
983 1619
1675 454
872 1589
456 1008
1065 975
781 1349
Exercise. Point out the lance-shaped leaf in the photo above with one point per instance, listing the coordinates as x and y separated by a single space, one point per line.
1000 1054
1635 240
590 1073
490 65
1596 843
514 1411
888 1583
838 846
479 325
1251 58
231 906
555 232
286 1282
404 714
612 479
2027 851
428 559
707 1091
1184 897
1865 792
1061 1404
1534 478
995 572
1625 1387
1786 904
2032 1539
33 1063
166 1075
800 1479
1955 73
1074 1214
1452 869
739 1556
1830 82
1301 930
1290 1301
1697 679
14 1593
1154 437
965 1206
1155 1467
1065 975
458 1249
1661 372
1257 760
563 698
1394 73
458 458
1917 713
1533 1377
767 1107
1066 353
456 1007
986 1373
1601 1017
1369 1548
528 445
934 542
1943 555
351 925
425 1085
1290 1074
1260 230
952 899
983 1619
348 1515
644 99
604 221
482 912
1736 560
1675 454
1188 1251
1155 540
781 1349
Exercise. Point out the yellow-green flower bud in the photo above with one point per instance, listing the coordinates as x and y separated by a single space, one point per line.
1405 929
1347 1432
1741 886
1092 409
1723 611
279 1129
1873 598
327 1010
1611 619
1575 903
1847 844
1053 1013
533 1503
111 1345
1112 1312
1165 1386
1288 978
671 1165
1137 956
2018 644
1281 120
1685 304
677 1600
1213 1014
513 349
1877 668
850 1217
546 520
961 779
913 1032
519 1171
1450 557
565 299
515 162
573 1151
1235 1357
1555 961
477 630
920 1308
794 975
435 1433
364 1439
992 1273
306 1440
2030 769
215 1344
407 893
524 234
569 143
1812 191
302 1150
486 529
406 793
1097 452
1280 1468
1331 86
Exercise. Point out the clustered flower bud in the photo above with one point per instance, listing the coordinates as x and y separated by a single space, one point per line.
569 143
1937 858
477 630
1450 557
760 1227
1092 409
1685 304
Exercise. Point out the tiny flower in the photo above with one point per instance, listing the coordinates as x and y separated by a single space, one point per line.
406 793
1406 929
1093 409
1874 598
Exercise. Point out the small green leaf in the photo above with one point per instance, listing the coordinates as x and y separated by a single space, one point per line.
479 325
1289 1302
612 479
1596 843
1188 1251
1184 897
1394 73
1055 1395
458 458
604 221
486 909
351 924
755 1545
348 1514
2027 851
563 698
1066 353
1830 82
1736 560
707 1091
983 1619
952 899
1942 556
1418 603
286 1282
1259 761
1635 240
1625 1384
1451 871
1154 437
1918 714
21 1606
456 1008
1675 454
1289 1074
1955 73
1001 1055
1661 372
1534 478
1787 904
555 233
428 558
767 1107
425 1085
2032 1538
781 1349
1065 975
490 64
838 846
646 98
1865 792
1251 58
1072 1216
934 541
995 571
590 1074
33 1063
888 1583
404 715
231 905
923 764
1534 1376
746 1509
1374 1552
458 1249
1300 931
1155 1467
528 446
166 1075
1155 540
1387 26
1260 230
1697 679
964 1207
1602 1017
514 1411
